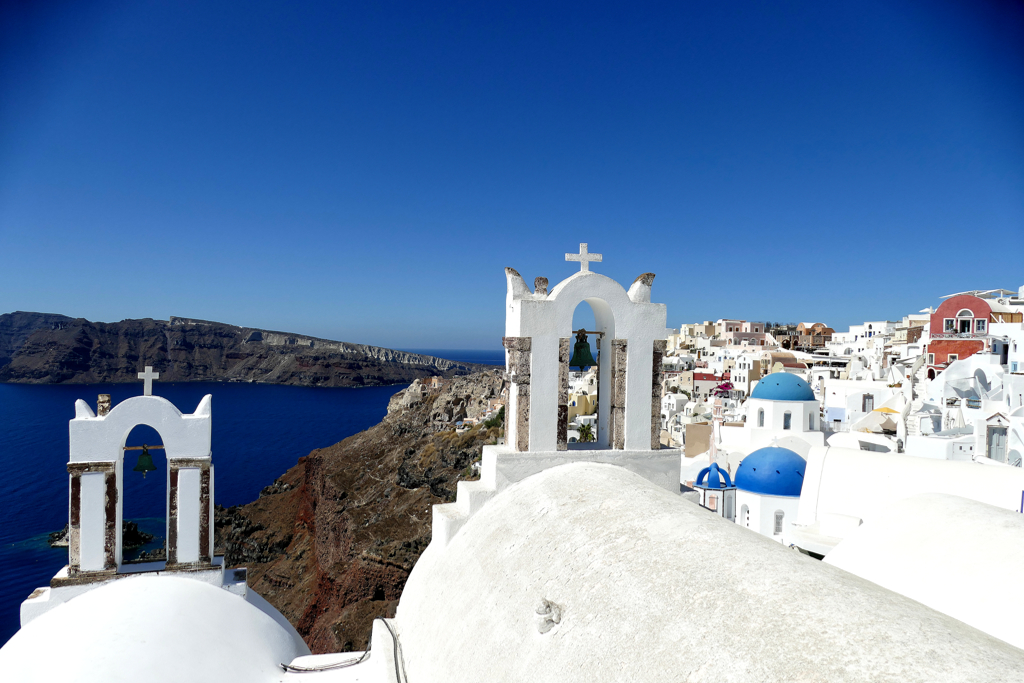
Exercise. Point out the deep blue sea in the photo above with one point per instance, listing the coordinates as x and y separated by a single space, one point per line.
259 432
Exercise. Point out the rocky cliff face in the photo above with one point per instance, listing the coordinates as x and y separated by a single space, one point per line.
17 327
331 543
46 349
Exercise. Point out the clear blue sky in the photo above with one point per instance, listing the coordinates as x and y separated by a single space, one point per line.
365 172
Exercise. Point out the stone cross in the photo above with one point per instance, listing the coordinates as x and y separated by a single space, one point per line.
584 257
148 376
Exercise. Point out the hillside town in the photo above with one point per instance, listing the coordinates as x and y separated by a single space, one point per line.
944 383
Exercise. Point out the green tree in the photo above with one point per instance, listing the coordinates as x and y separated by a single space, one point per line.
496 421
586 433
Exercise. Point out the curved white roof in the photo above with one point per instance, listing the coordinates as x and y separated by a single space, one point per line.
856 483
153 629
956 555
587 572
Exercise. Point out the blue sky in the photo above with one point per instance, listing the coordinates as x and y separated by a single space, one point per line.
365 173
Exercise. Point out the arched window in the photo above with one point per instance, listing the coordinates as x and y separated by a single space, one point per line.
964 320
787 420
760 417
745 516
779 515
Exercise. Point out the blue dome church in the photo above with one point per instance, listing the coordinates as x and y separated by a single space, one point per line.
782 407
768 485
717 492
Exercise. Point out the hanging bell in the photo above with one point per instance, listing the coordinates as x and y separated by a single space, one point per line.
145 463
581 356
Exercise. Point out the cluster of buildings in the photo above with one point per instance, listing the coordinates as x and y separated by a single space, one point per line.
855 512
900 386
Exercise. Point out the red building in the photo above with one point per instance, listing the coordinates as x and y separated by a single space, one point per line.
959 328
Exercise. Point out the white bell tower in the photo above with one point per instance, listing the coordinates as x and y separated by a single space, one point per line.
538 342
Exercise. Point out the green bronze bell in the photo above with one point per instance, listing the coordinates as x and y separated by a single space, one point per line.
145 463
581 356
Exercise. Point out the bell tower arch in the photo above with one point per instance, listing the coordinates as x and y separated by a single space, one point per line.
96 483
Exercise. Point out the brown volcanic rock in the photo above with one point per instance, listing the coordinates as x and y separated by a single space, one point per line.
49 349
17 327
331 543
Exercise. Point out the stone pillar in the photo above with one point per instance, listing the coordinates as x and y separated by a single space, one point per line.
75 522
563 394
188 519
617 428
93 524
519 376
656 390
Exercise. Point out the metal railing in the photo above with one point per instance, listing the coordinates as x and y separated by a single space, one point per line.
959 335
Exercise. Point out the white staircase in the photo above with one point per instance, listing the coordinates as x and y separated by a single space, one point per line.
470 496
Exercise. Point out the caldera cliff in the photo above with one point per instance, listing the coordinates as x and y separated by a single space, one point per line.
332 541
42 348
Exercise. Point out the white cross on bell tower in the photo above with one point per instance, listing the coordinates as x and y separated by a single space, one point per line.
148 376
584 257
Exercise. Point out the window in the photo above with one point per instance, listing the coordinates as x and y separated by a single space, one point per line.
949 325
745 516
931 359
810 422
787 420
712 502
979 326
867 403
952 357
779 515
760 417
1013 366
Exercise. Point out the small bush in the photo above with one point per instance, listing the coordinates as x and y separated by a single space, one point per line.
496 421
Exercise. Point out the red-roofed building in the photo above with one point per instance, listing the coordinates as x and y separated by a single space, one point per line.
958 329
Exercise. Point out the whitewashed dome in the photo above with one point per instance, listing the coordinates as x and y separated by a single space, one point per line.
923 545
588 572
153 629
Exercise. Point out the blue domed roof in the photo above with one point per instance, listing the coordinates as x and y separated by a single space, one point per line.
773 470
782 386
715 476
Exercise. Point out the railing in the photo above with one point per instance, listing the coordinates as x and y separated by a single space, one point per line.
960 335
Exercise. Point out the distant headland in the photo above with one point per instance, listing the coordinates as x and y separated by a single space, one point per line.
48 348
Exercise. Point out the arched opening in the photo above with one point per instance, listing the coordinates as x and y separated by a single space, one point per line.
931 373
144 498
745 515
760 417
787 420
964 321
810 422
587 422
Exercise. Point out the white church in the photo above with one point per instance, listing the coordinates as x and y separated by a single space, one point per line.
570 561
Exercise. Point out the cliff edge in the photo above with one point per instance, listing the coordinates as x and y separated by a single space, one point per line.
331 543
41 348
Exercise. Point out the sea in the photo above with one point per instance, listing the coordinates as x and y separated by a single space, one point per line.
259 432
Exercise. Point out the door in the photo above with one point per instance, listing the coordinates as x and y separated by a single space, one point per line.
997 443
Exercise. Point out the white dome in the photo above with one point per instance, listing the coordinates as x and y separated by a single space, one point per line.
930 546
649 587
153 629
